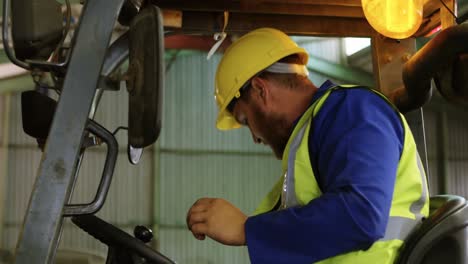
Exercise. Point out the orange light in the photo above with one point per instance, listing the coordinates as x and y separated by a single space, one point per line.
398 19
434 31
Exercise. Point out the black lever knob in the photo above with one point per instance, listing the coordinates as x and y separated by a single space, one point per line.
143 233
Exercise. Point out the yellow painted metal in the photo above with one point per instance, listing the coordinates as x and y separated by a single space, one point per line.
446 17
388 57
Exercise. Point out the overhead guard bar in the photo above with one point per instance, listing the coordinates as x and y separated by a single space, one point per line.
435 57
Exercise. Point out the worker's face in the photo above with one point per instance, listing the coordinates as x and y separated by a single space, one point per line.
267 125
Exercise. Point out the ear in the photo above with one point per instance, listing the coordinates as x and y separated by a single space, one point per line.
261 89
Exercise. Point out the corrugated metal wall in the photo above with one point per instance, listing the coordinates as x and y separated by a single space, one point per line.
457 149
447 142
330 49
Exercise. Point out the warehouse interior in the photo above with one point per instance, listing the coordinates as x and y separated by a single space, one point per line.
190 157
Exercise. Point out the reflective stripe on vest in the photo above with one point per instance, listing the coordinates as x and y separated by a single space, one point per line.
397 227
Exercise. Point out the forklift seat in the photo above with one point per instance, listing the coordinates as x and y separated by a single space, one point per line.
442 237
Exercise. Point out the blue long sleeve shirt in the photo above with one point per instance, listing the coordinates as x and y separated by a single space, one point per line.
355 145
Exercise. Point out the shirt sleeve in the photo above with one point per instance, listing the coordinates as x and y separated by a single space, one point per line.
355 145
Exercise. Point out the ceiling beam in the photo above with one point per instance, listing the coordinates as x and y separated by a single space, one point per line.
311 8
211 22
316 17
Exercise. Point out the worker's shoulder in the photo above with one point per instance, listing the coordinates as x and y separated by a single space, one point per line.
357 101
357 95
350 106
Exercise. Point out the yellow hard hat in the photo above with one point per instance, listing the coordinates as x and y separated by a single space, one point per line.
246 57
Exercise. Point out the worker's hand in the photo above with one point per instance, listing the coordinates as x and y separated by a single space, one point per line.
217 219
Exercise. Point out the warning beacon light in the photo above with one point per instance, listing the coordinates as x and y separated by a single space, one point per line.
398 19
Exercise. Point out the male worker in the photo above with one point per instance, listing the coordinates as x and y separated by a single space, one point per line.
352 187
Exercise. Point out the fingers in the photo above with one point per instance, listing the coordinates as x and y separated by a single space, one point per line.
196 218
201 205
199 230
196 223
200 237
217 219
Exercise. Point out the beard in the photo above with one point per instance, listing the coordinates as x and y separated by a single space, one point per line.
275 130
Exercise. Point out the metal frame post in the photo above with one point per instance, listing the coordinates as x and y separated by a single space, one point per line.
43 221
4 140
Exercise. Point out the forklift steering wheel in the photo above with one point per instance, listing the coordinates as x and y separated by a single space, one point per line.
113 237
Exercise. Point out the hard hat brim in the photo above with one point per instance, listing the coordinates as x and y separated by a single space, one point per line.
226 121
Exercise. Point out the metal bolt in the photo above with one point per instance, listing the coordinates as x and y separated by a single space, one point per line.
388 58
405 57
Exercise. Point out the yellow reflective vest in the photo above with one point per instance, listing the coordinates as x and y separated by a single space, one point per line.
298 186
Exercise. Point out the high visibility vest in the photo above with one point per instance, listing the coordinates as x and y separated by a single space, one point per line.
298 186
